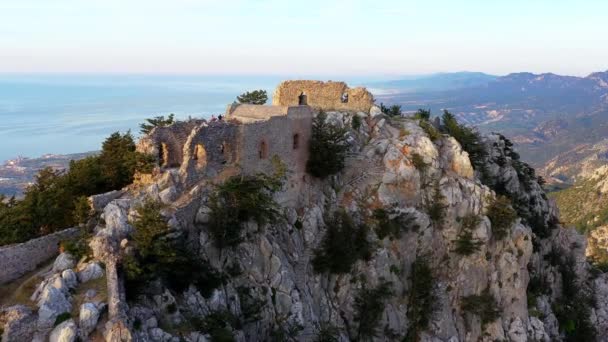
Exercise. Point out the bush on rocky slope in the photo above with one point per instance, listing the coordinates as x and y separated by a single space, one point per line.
343 245
369 306
238 200
159 256
469 139
422 299
327 148
393 224
482 305
502 216
465 243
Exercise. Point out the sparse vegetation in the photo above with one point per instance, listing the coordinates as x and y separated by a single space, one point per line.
422 114
469 139
436 206
501 215
343 245
482 305
573 307
422 302
327 333
327 148
418 162
356 122
251 305
158 121
257 97
394 110
159 256
239 200
393 223
369 306
218 324
465 243
430 130
77 247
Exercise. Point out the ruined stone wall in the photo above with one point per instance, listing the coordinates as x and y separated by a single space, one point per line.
208 149
262 140
16 260
323 95
167 143
246 113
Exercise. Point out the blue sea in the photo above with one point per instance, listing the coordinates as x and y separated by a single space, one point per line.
61 114
71 113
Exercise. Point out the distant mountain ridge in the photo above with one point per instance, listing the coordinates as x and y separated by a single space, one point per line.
437 82
544 114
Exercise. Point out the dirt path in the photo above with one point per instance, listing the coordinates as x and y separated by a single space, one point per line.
20 290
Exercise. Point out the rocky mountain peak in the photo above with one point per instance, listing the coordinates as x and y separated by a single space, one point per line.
421 236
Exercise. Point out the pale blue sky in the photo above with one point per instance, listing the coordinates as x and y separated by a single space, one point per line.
357 37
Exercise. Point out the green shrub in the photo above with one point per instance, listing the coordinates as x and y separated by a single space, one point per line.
433 133
251 305
285 331
327 148
573 307
239 200
82 210
62 317
483 305
469 139
435 206
257 97
356 122
422 303
328 333
77 247
501 215
465 244
157 256
393 223
418 162
369 306
422 114
394 110
218 324
343 245
158 121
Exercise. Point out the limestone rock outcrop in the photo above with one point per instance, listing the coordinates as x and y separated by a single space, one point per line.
269 287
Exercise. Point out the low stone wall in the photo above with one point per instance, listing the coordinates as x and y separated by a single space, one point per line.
17 260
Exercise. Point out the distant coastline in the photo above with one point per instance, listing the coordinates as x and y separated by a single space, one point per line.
17 174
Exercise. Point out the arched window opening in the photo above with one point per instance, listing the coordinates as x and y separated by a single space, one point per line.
163 155
303 99
296 141
200 155
263 152
344 98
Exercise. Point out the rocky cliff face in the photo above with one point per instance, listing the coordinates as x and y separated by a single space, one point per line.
511 287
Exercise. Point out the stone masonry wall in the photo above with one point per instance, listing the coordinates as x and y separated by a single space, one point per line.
323 95
17 260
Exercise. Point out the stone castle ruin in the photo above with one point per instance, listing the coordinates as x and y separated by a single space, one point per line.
250 136
328 96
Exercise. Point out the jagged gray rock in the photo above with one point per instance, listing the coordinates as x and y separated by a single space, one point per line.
88 317
90 271
65 332
63 262
19 324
